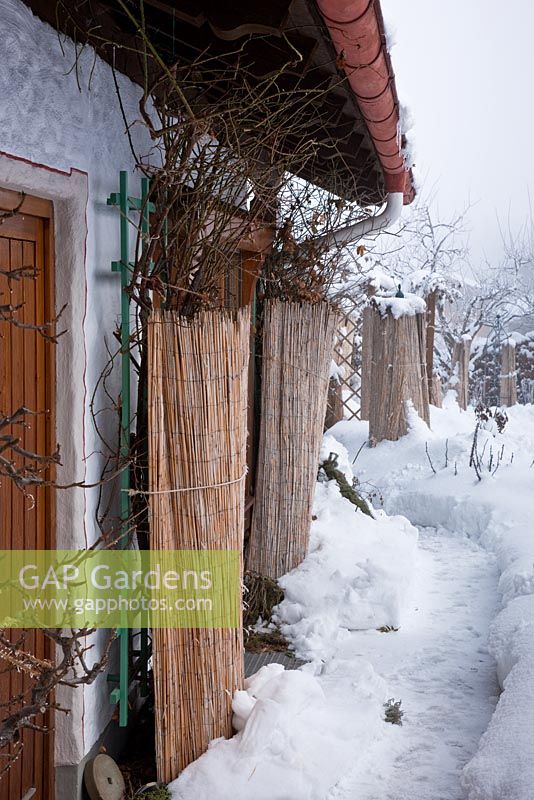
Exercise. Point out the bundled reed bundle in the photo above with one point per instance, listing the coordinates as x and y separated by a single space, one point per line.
298 342
461 355
508 376
197 438
367 358
431 301
398 373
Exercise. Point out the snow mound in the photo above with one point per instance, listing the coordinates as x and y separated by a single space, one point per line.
330 446
407 306
298 734
503 768
357 576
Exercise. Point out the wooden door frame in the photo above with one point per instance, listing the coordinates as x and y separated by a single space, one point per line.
20 204
68 190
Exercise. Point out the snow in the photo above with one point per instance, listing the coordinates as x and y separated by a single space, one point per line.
504 764
379 280
336 371
297 734
441 619
407 306
494 515
329 447
439 666
357 576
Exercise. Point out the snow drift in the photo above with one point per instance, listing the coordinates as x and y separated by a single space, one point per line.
298 733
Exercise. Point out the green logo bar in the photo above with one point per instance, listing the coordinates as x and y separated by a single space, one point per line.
120 589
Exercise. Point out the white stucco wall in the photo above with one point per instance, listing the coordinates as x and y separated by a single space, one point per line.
46 119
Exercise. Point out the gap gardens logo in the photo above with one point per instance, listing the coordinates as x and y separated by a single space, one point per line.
120 588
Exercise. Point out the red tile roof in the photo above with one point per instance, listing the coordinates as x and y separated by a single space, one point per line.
357 31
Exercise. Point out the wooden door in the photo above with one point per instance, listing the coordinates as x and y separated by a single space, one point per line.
26 379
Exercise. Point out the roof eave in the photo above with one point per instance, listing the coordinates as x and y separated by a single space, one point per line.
357 31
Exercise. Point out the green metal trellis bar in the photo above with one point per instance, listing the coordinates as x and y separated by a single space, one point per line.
126 204
146 207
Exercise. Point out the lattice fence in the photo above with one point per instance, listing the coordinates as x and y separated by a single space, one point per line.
348 356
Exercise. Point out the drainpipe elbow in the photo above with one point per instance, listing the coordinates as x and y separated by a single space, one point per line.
375 224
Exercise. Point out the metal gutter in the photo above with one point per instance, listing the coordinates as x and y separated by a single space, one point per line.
356 28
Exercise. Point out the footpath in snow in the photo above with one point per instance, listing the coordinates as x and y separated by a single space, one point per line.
461 592
496 512
439 666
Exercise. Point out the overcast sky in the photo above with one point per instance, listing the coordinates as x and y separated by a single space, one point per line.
465 69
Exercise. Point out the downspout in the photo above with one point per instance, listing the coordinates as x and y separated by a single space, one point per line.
376 224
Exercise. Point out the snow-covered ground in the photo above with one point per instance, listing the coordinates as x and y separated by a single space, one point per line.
319 733
496 513
439 666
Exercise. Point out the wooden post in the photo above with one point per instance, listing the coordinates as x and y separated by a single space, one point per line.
334 404
508 379
367 360
436 391
431 301
398 373
460 371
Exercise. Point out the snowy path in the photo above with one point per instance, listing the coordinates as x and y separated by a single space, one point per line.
438 665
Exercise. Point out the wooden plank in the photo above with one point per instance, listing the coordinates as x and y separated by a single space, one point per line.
6 404
431 302
36 206
508 376
30 753
367 357
19 228
5 488
41 378
460 371
17 498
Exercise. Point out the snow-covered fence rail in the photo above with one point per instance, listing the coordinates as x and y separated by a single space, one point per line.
334 404
398 367
524 357
197 463
298 340
501 370
436 390
431 302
